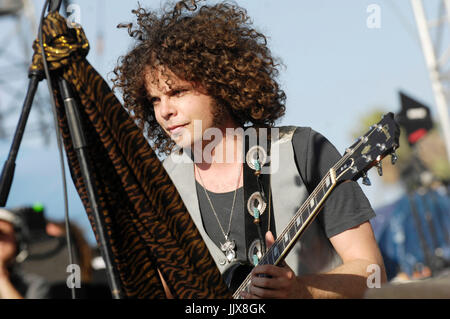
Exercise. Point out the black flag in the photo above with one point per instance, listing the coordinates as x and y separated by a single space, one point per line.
415 117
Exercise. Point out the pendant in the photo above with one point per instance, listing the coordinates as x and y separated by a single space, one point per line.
228 248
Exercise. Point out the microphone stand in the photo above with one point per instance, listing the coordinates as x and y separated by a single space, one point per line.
10 164
79 144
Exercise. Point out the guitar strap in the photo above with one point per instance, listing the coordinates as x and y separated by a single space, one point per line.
258 207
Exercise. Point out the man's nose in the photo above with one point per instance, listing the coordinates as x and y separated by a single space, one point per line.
166 108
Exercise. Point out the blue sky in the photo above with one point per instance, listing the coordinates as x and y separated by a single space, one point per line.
336 70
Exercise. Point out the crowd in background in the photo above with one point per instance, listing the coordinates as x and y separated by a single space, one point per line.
34 259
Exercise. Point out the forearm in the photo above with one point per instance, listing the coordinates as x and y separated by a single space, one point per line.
7 290
346 281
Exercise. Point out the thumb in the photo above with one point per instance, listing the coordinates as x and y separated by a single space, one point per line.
269 239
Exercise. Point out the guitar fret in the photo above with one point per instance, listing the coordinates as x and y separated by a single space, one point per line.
312 202
270 258
276 253
320 193
281 246
307 213
292 233
299 221
328 181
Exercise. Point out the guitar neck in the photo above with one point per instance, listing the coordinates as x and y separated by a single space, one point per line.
295 228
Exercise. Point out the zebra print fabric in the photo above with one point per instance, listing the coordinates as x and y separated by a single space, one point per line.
145 221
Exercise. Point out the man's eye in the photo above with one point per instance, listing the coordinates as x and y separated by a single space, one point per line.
179 92
154 100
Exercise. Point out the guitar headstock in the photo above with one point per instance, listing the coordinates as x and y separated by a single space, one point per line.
381 140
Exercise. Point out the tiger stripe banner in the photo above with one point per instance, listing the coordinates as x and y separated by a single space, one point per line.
146 224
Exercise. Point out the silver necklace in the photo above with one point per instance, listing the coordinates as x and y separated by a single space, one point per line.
229 247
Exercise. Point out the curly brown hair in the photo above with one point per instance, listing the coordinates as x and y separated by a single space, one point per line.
214 47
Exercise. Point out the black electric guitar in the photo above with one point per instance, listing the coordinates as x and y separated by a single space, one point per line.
368 151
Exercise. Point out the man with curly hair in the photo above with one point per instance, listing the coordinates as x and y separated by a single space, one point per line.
198 72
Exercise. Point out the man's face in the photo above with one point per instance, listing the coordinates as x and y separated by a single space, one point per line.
177 106
7 242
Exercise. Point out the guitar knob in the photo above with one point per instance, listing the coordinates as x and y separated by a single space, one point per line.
380 169
366 180
394 158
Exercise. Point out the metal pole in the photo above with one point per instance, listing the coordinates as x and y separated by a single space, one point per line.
433 69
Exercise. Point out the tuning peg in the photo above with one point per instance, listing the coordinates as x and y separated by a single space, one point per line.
394 158
380 169
382 147
367 158
366 180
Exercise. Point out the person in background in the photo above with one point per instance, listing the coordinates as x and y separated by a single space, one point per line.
83 252
94 283
14 283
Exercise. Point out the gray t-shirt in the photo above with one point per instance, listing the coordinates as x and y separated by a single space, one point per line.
346 207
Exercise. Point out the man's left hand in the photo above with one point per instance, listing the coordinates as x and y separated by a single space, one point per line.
269 281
